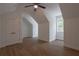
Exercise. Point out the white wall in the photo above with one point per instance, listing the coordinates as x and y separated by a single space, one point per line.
33 23
26 28
43 32
51 12
0 29
71 33
52 26
7 7
35 29
9 23
43 24
40 18
70 14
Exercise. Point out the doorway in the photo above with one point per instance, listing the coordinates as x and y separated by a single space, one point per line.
60 30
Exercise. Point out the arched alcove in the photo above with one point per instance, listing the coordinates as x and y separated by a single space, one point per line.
29 26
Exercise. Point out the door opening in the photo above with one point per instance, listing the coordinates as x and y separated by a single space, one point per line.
60 29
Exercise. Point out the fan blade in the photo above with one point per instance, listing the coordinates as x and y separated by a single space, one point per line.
29 6
36 3
34 9
42 6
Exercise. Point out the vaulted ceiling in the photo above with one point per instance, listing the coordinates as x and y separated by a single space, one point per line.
9 7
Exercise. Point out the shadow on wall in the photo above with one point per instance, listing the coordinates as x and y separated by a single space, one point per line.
51 16
26 28
29 27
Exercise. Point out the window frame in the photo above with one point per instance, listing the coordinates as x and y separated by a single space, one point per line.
59 16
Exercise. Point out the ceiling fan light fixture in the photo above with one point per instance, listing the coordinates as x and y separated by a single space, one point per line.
35 6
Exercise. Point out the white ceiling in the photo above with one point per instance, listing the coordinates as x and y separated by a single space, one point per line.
70 10
9 7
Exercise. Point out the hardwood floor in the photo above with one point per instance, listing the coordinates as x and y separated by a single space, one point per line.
33 47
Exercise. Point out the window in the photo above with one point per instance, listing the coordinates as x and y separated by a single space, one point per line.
60 25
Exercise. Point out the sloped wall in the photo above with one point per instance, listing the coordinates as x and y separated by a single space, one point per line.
10 29
41 20
33 23
0 29
43 25
70 14
51 12
26 28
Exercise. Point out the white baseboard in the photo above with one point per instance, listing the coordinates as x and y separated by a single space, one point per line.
72 47
44 40
6 43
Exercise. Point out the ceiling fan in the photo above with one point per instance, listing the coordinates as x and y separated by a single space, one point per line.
36 5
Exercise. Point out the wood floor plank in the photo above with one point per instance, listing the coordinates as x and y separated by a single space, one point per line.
33 47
